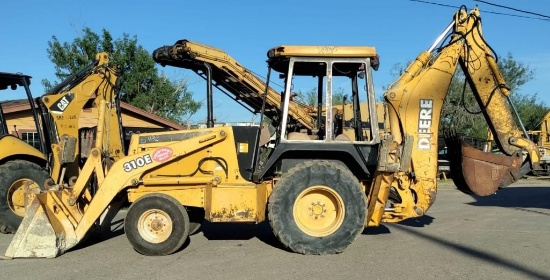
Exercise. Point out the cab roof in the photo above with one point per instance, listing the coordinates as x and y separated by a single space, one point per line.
13 79
322 51
279 58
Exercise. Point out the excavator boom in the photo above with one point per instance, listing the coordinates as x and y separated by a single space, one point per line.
232 78
415 103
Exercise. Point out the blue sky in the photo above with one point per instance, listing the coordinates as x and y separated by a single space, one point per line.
399 29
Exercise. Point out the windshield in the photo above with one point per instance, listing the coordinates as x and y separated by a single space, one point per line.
342 85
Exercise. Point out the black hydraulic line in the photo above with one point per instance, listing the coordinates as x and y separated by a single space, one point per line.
73 79
255 156
120 127
209 97
221 88
517 117
319 101
3 125
39 131
219 160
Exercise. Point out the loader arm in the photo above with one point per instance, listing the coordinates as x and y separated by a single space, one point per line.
57 220
232 78
415 104
64 105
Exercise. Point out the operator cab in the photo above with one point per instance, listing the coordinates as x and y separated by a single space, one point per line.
324 77
11 81
20 82
346 131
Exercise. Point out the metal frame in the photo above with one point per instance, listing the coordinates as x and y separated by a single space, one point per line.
368 87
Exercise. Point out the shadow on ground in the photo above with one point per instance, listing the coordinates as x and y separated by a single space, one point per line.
412 222
96 236
236 231
528 272
517 197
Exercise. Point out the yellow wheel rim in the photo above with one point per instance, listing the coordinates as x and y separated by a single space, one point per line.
155 226
319 211
16 197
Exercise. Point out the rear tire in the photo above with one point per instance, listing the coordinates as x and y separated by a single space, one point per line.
13 175
317 208
156 225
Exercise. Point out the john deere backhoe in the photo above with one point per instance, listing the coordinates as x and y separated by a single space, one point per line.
318 194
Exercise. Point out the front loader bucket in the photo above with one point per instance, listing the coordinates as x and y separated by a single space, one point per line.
477 172
41 234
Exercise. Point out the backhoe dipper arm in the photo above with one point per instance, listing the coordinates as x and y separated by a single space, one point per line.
65 103
230 76
415 104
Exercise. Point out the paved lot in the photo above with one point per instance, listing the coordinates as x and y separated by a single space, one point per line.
506 236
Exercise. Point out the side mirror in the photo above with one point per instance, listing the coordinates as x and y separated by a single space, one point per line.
375 62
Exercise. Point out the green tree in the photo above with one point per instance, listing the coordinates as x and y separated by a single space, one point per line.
310 97
143 86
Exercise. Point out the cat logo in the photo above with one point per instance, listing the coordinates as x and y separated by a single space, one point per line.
60 105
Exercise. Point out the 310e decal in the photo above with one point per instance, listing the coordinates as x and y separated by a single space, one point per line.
161 154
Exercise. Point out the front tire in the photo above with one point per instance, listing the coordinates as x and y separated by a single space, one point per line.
156 225
13 176
317 208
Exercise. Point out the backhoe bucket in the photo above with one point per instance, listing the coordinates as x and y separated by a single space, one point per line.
481 173
42 234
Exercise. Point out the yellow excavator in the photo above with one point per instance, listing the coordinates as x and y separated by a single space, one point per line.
317 194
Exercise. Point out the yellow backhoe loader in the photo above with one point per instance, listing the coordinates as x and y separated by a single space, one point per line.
63 145
542 138
19 161
318 194
544 143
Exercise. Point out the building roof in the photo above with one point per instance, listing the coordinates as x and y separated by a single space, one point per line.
18 105
151 116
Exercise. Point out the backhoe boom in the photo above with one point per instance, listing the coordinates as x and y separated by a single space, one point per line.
232 78
416 101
